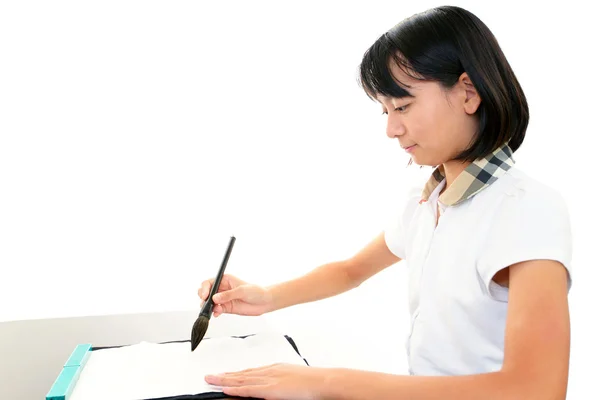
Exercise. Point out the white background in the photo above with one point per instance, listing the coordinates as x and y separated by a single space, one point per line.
136 137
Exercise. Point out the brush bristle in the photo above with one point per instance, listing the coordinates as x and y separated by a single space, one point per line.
198 330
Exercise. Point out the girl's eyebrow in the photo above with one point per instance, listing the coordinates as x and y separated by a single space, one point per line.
408 95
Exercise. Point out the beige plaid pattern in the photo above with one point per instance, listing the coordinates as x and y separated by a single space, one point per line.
477 176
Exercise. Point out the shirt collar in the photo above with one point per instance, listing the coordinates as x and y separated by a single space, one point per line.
477 176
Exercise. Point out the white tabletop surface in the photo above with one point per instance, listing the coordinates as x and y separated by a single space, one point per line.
32 352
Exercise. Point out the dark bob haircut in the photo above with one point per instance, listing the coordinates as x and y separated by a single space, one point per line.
439 45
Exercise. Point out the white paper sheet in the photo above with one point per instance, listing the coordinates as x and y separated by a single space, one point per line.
152 370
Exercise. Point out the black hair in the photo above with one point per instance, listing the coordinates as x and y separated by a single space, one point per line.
439 45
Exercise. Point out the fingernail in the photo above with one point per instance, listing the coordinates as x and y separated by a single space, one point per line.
217 297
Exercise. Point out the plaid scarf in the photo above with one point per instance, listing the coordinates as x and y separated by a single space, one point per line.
476 177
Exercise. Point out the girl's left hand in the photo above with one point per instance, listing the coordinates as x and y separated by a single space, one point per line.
278 381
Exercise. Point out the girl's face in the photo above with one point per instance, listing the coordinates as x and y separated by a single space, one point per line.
436 124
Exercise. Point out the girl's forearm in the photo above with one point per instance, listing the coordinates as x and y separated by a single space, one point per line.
353 384
325 281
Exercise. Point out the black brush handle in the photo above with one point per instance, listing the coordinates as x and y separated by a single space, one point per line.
208 306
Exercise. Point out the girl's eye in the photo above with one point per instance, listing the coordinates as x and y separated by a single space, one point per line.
400 109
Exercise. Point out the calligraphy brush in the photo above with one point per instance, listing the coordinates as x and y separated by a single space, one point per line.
201 324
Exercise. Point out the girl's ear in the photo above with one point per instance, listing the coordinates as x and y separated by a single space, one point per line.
471 97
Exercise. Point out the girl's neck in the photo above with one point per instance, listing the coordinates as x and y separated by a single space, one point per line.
451 170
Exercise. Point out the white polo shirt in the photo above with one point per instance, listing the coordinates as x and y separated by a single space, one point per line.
494 216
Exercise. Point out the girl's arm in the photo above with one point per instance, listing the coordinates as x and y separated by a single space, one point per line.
334 278
536 356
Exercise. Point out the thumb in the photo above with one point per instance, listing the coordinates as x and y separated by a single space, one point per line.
229 295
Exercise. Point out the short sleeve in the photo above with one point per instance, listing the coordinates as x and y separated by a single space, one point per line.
395 231
530 224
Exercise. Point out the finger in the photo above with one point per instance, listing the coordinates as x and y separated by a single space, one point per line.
205 289
224 285
233 381
258 370
254 391
229 295
217 310
227 308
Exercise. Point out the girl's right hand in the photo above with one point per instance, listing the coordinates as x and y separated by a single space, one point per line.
235 296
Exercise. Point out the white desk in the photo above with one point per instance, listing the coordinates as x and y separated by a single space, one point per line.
33 352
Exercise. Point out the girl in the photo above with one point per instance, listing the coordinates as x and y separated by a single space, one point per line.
488 248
